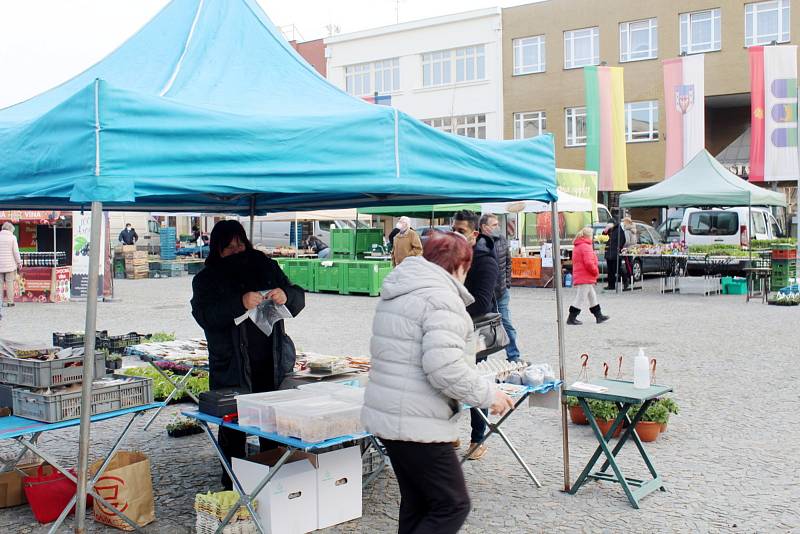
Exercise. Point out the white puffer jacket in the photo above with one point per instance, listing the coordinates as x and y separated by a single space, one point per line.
9 252
423 357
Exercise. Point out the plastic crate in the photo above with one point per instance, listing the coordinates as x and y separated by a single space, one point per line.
45 374
301 273
257 409
364 277
366 237
343 242
67 340
319 420
734 286
328 277
57 407
784 253
526 267
118 343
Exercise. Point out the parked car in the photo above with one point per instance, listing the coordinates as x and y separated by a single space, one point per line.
642 265
728 226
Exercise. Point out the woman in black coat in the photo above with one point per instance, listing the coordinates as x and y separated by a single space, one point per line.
238 278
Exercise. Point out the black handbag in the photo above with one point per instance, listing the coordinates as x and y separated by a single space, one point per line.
492 337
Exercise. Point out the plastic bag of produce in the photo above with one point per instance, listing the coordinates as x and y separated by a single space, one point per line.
126 485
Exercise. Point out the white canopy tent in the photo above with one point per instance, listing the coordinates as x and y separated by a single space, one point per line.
566 203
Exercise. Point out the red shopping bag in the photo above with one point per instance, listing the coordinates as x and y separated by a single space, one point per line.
48 492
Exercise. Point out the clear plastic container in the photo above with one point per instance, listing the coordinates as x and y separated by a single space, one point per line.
256 409
337 390
316 421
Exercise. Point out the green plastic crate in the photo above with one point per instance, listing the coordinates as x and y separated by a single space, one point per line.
364 277
734 286
301 273
366 237
328 278
343 242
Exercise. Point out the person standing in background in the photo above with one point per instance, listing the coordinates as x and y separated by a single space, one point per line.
10 262
616 242
128 236
490 226
631 238
585 272
406 243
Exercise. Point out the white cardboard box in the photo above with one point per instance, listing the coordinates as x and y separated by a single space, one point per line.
288 504
338 486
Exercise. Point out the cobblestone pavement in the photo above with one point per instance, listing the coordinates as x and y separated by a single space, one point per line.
729 460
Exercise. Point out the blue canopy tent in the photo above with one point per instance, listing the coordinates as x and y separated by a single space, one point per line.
207 108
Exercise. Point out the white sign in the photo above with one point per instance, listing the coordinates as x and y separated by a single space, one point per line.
81 237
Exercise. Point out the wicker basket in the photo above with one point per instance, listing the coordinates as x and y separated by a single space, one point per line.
208 524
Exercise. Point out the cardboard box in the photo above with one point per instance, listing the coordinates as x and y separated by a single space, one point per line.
288 504
11 492
338 486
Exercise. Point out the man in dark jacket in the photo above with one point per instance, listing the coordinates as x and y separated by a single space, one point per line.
236 279
616 242
481 282
128 236
490 226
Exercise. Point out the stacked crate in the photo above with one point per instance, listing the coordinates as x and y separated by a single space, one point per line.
784 266
168 243
136 266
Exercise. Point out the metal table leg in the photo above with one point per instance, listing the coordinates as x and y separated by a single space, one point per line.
494 428
372 442
177 387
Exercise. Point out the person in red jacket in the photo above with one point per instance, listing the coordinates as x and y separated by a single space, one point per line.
584 277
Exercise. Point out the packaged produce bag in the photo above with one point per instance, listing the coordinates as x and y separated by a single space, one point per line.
128 486
48 492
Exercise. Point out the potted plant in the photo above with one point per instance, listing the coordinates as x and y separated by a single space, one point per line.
649 426
576 414
183 427
672 409
113 362
605 412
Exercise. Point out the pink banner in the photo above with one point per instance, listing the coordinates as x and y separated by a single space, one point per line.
673 77
756 113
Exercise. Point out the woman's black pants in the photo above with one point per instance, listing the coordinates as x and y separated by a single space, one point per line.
433 493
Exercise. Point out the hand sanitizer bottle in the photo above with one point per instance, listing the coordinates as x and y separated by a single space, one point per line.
641 371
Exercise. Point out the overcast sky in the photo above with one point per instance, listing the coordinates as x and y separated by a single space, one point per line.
45 42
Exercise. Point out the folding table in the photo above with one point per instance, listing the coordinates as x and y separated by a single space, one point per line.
494 428
291 444
26 432
625 396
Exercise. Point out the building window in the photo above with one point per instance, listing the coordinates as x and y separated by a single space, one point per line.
469 63
638 40
765 22
466 125
357 79
641 121
387 75
700 31
529 124
529 55
575 126
581 48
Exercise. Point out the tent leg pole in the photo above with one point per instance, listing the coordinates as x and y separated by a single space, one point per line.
561 350
88 365
797 235
252 215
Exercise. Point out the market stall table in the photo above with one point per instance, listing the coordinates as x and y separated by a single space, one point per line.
625 396
494 428
26 432
292 445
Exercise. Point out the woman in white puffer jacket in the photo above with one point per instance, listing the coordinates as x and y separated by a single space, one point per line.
423 370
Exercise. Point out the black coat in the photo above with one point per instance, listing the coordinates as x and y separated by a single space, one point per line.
482 277
503 264
616 241
217 301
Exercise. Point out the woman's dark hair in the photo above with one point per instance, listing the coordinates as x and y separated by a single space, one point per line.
221 236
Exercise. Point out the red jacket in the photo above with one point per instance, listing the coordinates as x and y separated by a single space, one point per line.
584 262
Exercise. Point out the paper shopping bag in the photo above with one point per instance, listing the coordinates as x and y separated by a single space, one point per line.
128 486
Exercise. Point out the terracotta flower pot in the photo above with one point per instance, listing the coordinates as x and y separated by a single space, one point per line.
577 416
663 427
605 426
648 430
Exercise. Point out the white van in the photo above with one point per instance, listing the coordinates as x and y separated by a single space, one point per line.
728 226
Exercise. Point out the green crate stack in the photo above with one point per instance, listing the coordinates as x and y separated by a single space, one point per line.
782 272
328 275
301 273
365 238
364 277
343 243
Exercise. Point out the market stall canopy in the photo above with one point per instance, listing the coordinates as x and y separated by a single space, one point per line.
702 182
208 108
318 215
566 203
421 210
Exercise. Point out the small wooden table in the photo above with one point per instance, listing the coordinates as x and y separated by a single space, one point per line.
625 396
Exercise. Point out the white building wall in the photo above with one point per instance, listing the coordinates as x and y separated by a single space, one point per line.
408 41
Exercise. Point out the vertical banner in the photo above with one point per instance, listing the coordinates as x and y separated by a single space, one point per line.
780 113
81 232
605 127
756 113
684 103
582 184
